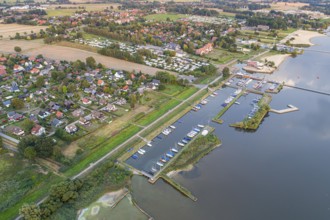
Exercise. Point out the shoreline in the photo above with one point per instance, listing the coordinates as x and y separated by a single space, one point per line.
302 37
173 173
278 59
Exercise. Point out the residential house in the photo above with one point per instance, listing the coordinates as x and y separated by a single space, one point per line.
43 114
59 115
110 108
120 101
17 131
10 115
34 71
205 49
86 101
100 82
255 64
72 128
18 68
68 104
78 113
263 27
33 118
56 123
14 87
38 130
84 121
97 115
13 116
7 103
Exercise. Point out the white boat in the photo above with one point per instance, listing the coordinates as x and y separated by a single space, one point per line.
153 169
237 103
174 150
204 102
143 151
172 126
169 155
167 131
149 144
200 126
181 144
160 164
140 152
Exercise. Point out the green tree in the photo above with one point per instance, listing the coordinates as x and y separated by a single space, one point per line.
30 153
91 62
30 212
27 124
64 89
17 103
40 82
226 72
17 49
133 100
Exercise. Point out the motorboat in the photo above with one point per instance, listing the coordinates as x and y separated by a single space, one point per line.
160 164
174 150
135 156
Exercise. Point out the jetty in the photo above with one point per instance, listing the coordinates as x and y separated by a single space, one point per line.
287 110
308 90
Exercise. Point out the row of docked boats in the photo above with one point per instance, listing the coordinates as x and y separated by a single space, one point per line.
165 158
168 130
141 151
231 98
171 153
258 85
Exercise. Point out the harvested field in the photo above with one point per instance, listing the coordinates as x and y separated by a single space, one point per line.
7 30
35 47
287 6
70 9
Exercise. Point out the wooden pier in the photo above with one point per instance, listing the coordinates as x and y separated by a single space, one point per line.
287 110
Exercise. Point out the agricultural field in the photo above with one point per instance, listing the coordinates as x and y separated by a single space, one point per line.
7 30
69 53
68 10
287 6
163 17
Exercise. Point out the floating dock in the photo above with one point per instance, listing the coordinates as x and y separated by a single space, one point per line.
287 110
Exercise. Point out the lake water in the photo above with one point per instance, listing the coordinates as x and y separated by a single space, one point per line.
281 171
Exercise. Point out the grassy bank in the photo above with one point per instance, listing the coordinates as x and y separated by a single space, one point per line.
254 122
165 107
217 117
102 150
197 149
